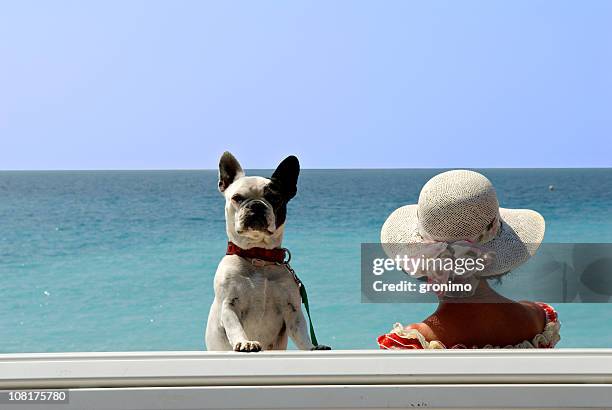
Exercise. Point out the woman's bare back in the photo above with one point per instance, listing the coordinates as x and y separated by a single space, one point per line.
481 324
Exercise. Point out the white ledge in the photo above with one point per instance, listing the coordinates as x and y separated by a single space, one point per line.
372 367
317 380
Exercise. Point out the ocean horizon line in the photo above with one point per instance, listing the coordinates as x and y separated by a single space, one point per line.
303 169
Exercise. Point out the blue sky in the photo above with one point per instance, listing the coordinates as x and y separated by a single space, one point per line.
342 84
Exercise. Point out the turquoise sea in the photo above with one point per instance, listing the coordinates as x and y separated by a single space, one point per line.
124 260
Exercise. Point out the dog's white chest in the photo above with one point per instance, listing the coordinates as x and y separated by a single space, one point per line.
270 287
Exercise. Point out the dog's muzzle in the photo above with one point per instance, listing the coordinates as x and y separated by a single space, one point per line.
255 215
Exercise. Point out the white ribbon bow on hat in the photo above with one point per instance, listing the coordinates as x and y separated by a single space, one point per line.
462 249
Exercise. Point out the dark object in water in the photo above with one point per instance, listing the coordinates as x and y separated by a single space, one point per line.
551 187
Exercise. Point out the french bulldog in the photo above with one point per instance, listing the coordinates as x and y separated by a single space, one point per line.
257 303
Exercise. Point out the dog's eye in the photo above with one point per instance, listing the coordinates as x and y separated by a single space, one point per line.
238 198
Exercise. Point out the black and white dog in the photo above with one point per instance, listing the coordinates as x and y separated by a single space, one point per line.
257 301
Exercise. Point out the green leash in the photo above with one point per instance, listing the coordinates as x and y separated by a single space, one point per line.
304 296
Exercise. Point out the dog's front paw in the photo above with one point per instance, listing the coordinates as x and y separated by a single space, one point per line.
321 347
247 346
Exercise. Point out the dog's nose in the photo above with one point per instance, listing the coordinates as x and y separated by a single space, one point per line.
255 216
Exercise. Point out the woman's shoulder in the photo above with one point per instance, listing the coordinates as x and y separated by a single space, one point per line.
542 311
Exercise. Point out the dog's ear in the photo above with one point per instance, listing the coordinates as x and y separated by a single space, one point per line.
229 170
286 175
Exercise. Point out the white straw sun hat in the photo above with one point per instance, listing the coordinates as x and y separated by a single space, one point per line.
462 205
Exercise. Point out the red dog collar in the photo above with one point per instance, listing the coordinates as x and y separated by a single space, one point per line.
276 255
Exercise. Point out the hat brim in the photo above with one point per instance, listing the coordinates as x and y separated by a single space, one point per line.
520 236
